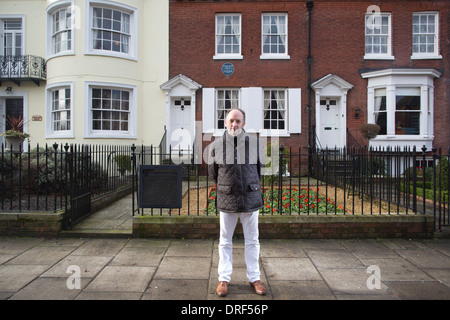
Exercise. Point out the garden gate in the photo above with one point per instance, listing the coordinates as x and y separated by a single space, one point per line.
79 184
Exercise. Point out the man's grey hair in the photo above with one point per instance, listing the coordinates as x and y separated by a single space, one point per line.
239 109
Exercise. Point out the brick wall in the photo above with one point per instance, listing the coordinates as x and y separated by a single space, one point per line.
337 47
31 224
289 227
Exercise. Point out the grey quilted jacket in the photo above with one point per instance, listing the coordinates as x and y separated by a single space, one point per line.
235 166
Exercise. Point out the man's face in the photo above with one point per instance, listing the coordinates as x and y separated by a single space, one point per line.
234 122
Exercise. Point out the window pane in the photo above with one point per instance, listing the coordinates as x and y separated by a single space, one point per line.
380 110
377 35
115 30
424 33
226 99
274 34
274 109
407 111
110 109
61 108
228 34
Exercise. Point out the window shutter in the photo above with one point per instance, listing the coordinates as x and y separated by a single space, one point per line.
252 104
295 108
208 110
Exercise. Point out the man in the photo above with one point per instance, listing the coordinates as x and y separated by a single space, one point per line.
235 166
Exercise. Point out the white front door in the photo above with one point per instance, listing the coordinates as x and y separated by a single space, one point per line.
329 127
181 126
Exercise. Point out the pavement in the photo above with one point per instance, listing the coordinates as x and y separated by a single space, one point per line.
119 267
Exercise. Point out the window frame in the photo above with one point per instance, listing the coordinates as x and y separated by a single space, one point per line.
133 29
217 55
391 94
50 131
225 110
90 132
428 55
391 79
379 56
271 55
5 17
274 131
51 11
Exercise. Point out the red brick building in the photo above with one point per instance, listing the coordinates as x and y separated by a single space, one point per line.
311 72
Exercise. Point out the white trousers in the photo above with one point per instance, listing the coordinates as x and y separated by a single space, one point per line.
228 223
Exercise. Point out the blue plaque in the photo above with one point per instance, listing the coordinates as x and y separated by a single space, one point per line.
227 69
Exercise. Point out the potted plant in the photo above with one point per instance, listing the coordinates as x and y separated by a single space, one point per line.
123 163
15 136
369 130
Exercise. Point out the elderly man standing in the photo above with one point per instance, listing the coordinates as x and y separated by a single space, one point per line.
235 166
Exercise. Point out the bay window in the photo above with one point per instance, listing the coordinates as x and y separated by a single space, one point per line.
401 102
111 111
407 111
59 115
112 30
379 112
61 20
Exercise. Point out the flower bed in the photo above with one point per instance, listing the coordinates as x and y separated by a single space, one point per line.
287 201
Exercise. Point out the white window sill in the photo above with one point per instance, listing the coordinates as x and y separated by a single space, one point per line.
390 137
111 54
108 135
424 57
61 54
274 57
228 57
60 135
378 57
274 133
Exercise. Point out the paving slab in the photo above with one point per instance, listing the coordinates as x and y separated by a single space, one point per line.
281 248
184 268
88 266
334 259
165 269
196 248
417 290
397 269
48 289
100 247
301 290
426 258
290 269
176 289
15 277
41 256
139 256
351 281
122 279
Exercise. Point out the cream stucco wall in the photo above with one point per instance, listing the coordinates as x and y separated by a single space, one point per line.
144 73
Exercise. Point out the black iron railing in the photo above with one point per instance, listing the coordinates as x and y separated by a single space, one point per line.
27 67
42 178
355 181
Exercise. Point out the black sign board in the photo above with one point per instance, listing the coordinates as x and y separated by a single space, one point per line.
159 186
